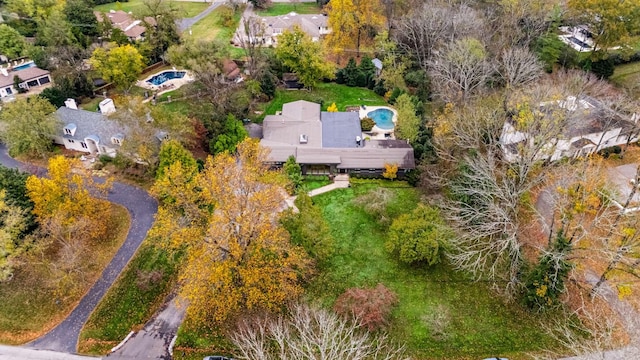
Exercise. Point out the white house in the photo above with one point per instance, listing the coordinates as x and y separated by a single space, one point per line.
88 131
589 126
30 75
314 25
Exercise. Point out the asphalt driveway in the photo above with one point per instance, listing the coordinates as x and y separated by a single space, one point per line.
142 209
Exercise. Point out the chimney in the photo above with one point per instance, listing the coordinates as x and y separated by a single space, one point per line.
107 106
4 71
71 104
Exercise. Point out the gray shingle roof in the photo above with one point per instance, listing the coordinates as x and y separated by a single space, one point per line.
339 129
89 124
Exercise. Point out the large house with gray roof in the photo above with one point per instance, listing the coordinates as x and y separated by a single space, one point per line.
87 131
329 142
270 27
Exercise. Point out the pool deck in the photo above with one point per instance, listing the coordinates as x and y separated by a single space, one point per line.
169 85
377 133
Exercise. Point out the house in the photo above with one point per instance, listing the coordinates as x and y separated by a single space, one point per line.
578 37
133 28
625 178
30 75
588 126
231 71
88 131
314 25
329 142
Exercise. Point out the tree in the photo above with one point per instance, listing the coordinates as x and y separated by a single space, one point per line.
309 229
370 307
232 134
243 248
390 171
164 32
13 222
172 151
332 108
419 236
308 331
121 65
432 26
518 67
54 30
261 4
408 124
353 22
304 57
611 23
80 15
294 173
367 124
460 69
12 44
29 125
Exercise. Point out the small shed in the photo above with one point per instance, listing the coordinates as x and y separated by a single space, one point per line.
290 81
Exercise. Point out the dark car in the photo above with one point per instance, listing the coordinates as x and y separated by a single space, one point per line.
216 357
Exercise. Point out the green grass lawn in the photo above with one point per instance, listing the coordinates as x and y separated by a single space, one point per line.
627 75
327 93
131 301
312 182
30 306
137 7
212 28
478 324
284 8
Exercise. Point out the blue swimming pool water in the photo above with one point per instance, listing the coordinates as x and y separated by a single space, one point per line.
383 118
166 75
24 66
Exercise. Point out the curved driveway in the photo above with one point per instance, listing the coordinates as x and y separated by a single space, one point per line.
142 209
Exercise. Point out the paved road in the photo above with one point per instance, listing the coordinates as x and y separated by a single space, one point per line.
153 341
18 353
142 209
184 24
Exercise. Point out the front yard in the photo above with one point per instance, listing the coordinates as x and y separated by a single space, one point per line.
31 306
185 9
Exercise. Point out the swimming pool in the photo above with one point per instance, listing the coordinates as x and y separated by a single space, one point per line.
24 66
164 76
383 118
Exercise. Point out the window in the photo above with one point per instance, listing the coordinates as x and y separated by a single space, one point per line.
71 141
84 145
44 80
8 90
32 83
115 140
67 131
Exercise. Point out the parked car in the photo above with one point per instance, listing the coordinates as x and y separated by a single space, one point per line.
216 357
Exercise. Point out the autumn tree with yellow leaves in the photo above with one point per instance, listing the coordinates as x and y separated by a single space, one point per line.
353 23
238 255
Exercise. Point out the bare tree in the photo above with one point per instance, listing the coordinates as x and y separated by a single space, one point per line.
425 30
519 67
310 333
460 69
249 36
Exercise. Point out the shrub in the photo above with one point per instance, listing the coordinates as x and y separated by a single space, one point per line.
419 236
390 171
371 307
367 124
375 203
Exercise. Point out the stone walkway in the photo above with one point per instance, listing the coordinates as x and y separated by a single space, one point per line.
341 181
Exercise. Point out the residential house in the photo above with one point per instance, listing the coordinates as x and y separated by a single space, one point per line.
588 126
314 25
88 131
329 142
578 37
231 71
133 28
30 75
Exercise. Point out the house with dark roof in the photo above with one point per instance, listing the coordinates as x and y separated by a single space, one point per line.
314 25
133 28
87 131
329 142
31 76
587 124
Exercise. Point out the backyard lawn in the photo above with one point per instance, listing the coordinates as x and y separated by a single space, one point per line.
137 7
326 93
628 76
442 314
212 28
30 306
283 8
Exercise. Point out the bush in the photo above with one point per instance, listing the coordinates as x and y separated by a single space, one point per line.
419 236
375 204
367 124
371 307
